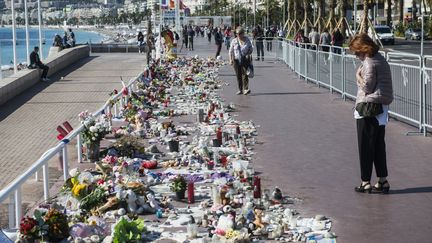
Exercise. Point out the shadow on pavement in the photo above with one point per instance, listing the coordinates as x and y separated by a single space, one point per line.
286 93
426 189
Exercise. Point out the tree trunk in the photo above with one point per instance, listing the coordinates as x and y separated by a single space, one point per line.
365 21
306 17
401 11
295 11
389 13
342 14
414 10
331 9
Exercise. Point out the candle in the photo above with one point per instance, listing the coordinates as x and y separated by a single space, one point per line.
257 187
191 193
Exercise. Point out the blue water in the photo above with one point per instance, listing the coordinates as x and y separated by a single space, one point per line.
47 34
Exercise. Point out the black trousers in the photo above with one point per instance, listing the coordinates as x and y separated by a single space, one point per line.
242 78
269 45
45 69
219 47
260 48
372 148
190 43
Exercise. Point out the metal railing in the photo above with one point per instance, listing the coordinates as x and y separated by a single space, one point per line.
334 68
13 190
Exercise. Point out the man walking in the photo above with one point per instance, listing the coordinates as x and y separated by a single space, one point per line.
258 35
35 62
218 40
191 34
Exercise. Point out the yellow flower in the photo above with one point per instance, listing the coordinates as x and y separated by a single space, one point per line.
78 189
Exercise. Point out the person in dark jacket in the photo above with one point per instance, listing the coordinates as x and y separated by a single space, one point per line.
258 35
218 40
191 35
35 62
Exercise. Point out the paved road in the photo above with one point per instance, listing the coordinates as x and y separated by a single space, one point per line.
28 122
410 46
310 150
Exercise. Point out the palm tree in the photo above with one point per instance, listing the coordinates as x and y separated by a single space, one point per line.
389 12
365 21
306 4
401 11
331 9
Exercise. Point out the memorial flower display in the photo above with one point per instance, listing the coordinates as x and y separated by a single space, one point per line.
176 135
95 129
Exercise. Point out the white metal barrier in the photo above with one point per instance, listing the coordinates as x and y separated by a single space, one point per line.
13 190
334 68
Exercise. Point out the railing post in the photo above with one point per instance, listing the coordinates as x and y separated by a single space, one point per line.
37 176
79 147
45 169
343 75
115 109
331 69
424 97
65 162
127 48
11 211
18 207
317 64
306 62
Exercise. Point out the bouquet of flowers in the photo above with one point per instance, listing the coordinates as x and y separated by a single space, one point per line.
49 226
94 129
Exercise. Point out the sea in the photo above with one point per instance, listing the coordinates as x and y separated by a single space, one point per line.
47 36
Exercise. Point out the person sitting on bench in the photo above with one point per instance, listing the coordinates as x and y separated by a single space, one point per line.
35 62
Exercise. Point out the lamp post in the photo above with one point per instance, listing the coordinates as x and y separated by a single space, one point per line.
254 13
267 13
355 16
27 32
14 38
40 30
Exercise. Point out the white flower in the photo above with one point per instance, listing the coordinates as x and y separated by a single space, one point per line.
93 138
93 129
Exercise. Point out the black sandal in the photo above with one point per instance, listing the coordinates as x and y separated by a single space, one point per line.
364 188
382 188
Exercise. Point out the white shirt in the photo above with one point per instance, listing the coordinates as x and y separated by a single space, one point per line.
382 118
246 48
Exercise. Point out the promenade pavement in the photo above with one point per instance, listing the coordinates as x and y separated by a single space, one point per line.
307 144
309 149
28 122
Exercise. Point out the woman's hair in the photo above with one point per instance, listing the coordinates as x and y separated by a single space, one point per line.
364 44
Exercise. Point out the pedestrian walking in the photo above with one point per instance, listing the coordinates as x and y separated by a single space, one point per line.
227 37
269 39
337 40
374 95
35 62
314 38
240 56
140 42
258 35
218 40
191 34
325 40
184 38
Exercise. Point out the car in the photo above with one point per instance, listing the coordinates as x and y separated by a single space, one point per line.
414 34
385 34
